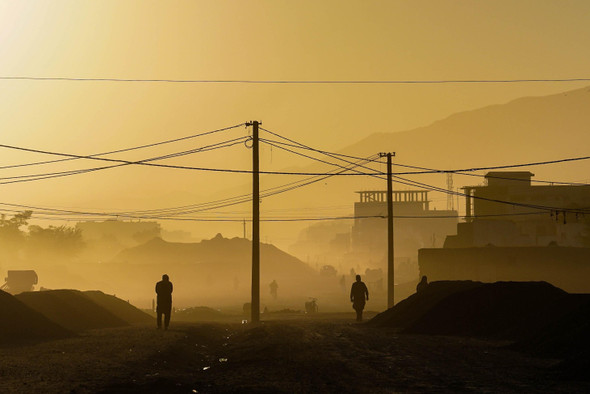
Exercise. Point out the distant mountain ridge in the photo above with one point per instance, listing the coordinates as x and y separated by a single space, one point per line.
525 129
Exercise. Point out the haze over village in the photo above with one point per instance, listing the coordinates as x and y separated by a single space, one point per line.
263 161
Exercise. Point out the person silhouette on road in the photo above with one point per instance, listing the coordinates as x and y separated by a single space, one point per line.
164 292
274 286
358 292
422 285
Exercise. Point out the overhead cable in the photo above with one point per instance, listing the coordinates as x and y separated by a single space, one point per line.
409 182
43 216
193 136
36 177
159 214
228 170
298 82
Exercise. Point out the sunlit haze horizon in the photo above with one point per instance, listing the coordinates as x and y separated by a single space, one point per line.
263 40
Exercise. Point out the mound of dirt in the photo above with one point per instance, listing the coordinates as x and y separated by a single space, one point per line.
509 310
405 313
216 259
544 320
22 323
123 310
198 313
565 337
567 334
71 309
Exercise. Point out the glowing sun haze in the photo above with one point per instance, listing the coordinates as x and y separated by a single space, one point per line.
254 40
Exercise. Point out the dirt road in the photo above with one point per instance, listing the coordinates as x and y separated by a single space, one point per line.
298 355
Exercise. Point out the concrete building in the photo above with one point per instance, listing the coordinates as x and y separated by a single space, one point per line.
415 226
516 231
509 211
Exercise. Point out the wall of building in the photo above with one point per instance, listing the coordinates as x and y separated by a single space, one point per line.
564 197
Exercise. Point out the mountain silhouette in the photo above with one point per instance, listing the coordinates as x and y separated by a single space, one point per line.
522 130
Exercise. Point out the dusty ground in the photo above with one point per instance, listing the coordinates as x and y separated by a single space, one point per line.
326 354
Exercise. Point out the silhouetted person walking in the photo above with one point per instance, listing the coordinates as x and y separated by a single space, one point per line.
274 287
422 285
358 292
164 292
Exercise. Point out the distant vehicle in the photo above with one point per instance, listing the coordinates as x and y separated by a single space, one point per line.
19 281
311 306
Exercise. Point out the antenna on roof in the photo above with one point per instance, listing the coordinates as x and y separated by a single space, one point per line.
450 200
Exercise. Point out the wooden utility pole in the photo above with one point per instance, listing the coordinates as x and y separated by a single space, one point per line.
255 302
390 267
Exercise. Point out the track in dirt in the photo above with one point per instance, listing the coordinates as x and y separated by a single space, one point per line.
322 355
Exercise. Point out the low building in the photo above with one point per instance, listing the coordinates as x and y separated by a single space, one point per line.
509 211
415 226
515 230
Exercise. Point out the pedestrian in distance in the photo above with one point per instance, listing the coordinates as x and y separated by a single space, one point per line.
164 307
274 286
422 285
358 295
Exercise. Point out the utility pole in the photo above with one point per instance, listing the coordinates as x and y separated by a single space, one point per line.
390 267
255 302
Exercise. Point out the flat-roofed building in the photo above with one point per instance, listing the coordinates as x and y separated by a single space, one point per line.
509 211
415 224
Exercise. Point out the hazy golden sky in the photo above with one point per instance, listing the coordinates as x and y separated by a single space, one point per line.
256 40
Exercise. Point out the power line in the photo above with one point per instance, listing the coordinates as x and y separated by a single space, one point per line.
298 82
426 170
409 182
513 203
375 174
248 197
160 213
268 142
342 170
278 189
129 149
357 173
531 164
162 216
228 170
334 156
36 177
276 219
